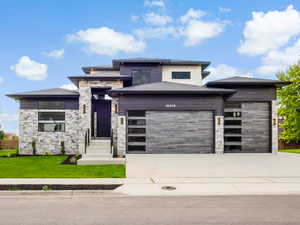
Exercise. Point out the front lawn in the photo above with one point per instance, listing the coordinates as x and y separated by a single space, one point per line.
297 151
7 152
51 167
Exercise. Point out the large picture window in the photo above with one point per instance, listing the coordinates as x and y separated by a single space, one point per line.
140 77
51 121
51 104
181 75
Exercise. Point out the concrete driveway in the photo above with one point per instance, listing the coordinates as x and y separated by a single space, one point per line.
208 165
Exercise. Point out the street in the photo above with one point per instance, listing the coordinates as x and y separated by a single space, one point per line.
108 210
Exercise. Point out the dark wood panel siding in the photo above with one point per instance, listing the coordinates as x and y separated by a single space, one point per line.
179 132
253 94
160 102
72 104
256 127
155 70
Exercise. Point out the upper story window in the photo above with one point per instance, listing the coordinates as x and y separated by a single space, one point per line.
51 121
181 75
140 77
51 104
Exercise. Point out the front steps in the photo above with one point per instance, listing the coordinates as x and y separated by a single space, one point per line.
99 153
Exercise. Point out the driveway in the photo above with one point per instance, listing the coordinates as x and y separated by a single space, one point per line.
210 165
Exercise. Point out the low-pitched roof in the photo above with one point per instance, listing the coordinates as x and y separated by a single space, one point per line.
244 81
76 79
169 88
117 62
87 69
52 92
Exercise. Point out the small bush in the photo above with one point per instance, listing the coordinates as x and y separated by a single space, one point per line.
73 159
46 188
62 145
46 153
33 144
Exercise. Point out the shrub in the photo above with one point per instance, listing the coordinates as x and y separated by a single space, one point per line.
62 145
33 147
46 188
73 159
46 153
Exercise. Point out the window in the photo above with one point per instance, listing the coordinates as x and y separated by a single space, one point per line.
233 122
181 75
140 77
136 113
137 122
51 104
51 122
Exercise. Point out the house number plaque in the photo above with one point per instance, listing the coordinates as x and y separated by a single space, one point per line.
171 105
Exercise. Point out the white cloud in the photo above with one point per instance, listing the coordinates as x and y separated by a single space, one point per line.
157 20
1 80
156 32
135 18
58 53
197 31
192 14
222 71
106 41
279 60
269 31
30 69
69 86
5 117
157 3
224 10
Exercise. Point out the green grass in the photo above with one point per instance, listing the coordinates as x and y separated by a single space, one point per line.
51 167
297 151
6 152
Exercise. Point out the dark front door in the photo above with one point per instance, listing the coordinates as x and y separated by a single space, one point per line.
102 117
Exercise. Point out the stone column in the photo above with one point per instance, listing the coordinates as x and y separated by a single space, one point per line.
84 112
219 135
274 127
121 137
114 122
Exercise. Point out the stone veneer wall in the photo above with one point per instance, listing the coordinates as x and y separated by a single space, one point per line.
85 99
49 142
274 127
219 135
122 135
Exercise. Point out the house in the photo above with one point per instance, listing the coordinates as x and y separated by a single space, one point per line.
146 105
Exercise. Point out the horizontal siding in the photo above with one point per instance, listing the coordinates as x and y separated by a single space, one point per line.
160 102
253 94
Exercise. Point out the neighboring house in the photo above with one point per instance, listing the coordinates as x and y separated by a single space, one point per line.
152 106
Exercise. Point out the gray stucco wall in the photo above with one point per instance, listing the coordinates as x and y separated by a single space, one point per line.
49 142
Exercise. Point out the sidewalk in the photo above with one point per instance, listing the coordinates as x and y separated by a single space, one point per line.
184 186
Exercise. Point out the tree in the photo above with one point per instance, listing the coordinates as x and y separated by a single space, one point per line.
2 134
289 104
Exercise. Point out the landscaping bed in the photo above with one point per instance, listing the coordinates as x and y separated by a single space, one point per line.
52 167
50 187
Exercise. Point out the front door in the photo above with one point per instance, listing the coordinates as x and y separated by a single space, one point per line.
102 117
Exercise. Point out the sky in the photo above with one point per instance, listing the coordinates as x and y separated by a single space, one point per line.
42 42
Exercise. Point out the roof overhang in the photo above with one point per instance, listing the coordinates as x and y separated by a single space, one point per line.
234 84
19 97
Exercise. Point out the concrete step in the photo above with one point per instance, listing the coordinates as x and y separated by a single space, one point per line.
98 148
100 161
98 151
100 141
95 155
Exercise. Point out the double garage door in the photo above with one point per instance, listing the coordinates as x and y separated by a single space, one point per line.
170 132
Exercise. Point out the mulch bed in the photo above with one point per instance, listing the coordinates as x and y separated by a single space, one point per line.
49 187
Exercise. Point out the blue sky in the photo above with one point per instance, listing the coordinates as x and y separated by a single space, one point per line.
42 42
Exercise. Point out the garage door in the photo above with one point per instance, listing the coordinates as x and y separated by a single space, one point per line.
179 132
